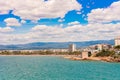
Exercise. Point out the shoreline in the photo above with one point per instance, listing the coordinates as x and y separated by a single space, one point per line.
36 55
104 59
77 58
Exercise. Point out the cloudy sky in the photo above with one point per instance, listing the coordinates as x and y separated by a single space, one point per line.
27 21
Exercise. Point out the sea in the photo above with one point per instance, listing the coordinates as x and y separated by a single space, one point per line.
55 68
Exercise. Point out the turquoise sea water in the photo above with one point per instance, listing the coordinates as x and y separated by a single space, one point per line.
55 68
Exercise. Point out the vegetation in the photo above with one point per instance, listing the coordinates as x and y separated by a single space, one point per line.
117 47
38 53
74 53
89 54
105 53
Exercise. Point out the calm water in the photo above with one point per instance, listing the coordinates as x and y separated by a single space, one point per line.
55 68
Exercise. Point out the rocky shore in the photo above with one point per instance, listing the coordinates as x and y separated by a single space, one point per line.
106 59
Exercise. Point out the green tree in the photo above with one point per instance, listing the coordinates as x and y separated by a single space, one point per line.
105 53
117 47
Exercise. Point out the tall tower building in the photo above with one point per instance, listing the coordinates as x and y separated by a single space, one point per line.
117 41
72 47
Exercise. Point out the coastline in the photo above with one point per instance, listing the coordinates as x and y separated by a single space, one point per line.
105 59
77 58
35 55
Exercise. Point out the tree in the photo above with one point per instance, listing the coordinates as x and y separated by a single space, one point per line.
105 53
117 47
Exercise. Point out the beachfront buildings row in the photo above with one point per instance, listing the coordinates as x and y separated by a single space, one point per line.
72 48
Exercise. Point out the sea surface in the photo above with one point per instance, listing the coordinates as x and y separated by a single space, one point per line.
55 68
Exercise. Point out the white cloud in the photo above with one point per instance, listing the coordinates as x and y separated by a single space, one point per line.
61 25
74 23
48 30
48 9
61 20
6 30
43 33
105 15
34 10
4 12
79 13
12 22
38 9
23 21
4 7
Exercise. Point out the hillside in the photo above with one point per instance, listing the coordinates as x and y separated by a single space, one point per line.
48 45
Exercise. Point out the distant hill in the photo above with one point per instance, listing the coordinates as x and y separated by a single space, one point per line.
54 45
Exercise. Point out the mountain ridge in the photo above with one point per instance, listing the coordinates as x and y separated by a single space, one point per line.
53 45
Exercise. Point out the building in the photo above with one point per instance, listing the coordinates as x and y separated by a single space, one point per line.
58 50
117 41
102 46
85 54
72 48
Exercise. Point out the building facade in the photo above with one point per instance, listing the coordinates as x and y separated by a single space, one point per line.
117 41
72 47
102 46
84 54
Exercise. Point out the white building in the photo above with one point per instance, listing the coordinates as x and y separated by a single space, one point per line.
117 41
72 47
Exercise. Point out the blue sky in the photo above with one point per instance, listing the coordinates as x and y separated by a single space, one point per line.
42 21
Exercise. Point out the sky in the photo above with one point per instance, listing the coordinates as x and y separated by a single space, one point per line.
27 21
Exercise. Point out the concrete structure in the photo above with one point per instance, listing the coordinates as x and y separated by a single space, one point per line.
72 48
94 49
100 47
85 54
117 41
